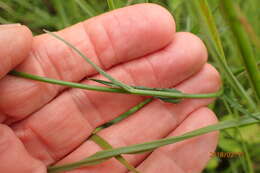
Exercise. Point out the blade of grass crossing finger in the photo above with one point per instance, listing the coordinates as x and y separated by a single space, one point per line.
105 145
101 155
165 99
243 43
124 115
164 94
102 72
202 10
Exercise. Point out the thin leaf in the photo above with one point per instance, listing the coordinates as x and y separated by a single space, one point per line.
105 145
86 7
102 72
165 99
202 10
163 94
111 4
106 154
123 116
243 43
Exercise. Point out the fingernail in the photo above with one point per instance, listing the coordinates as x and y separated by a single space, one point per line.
9 26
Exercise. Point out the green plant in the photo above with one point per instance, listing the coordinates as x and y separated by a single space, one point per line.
231 32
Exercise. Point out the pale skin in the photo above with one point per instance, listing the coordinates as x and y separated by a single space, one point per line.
44 124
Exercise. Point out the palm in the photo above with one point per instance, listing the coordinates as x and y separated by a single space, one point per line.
136 48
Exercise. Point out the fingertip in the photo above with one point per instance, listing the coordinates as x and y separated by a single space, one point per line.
160 14
207 115
22 44
160 19
214 77
15 45
197 49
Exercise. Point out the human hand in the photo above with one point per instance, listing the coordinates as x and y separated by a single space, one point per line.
137 45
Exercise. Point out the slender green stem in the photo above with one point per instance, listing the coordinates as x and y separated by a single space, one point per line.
84 5
123 116
243 43
214 44
139 148
115 90
105 145
111 4
101 71
248 160
59 6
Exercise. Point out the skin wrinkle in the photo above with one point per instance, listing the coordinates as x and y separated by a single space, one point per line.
170 158
93 102
77 101
128 72
27 127
39 85
93 44
71 54
81 112
156 78
108 34
51 88
166 112
58 74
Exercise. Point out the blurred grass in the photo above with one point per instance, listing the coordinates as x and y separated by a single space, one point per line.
58 14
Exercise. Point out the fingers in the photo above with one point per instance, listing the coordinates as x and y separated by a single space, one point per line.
154 121
108 40
77 111
15 45
13 156
189 156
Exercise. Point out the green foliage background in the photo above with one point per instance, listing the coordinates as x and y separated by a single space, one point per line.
57 14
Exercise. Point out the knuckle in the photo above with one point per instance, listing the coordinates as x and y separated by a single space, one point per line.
5 138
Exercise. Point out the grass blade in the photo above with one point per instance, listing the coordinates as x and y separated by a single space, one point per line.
106 154
59 7
114 90
102 72
86 8
202 10
243 43
111 4
105 145
123 116
165 99
163 94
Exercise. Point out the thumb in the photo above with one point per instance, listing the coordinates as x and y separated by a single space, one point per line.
13 156
15 45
